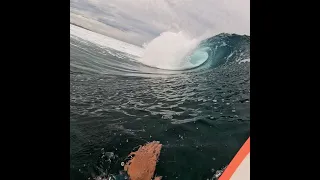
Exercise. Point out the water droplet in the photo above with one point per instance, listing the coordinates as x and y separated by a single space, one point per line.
233 110
122 163
214 100
150 136
197 128
127 140
227 103
181 137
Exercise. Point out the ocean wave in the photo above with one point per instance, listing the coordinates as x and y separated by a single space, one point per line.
169 53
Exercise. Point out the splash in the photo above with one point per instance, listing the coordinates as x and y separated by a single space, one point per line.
174 51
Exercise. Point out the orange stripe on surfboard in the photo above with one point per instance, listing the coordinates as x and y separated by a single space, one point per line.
236 161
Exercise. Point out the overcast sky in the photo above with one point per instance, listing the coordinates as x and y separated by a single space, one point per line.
139 21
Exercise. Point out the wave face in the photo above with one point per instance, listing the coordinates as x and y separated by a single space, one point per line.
223 49
169 53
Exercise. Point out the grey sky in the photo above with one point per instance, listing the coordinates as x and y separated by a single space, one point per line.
139 21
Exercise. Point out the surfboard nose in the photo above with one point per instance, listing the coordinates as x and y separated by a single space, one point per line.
239 167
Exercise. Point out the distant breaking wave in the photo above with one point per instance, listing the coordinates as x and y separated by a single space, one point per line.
168 53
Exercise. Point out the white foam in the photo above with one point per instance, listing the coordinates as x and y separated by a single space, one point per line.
244 61
173 51
224 44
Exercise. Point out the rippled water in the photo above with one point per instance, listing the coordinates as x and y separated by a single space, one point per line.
202 118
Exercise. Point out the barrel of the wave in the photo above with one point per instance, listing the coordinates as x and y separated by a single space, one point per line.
142 163
198 57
